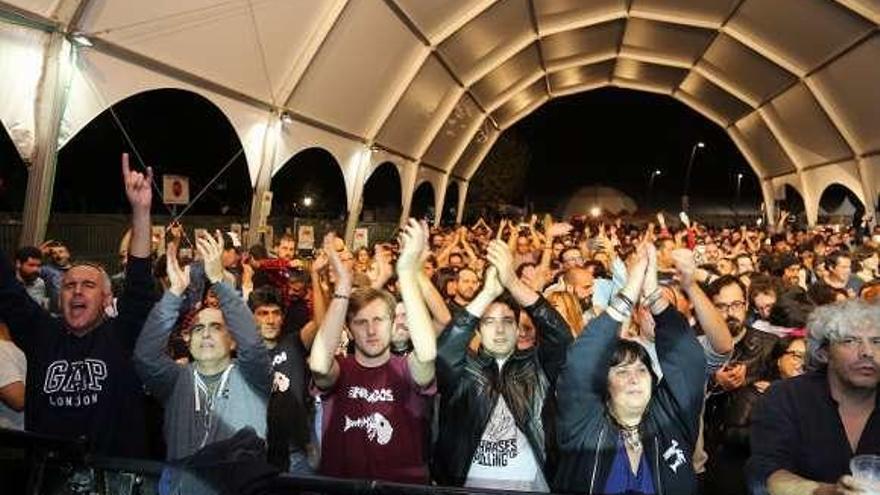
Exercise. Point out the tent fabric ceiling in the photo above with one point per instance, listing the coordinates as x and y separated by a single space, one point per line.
434 82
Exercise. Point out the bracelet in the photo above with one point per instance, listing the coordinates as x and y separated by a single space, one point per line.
656 302
652 298
626 300
339 296
622 306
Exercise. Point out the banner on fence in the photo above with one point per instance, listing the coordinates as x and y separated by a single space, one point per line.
306 237
175 190
361 238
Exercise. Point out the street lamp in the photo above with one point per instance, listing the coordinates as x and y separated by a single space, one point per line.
595 212
307 201
687 175
656 173
739 178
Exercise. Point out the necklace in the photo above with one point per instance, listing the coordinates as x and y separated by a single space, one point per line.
631 438
630 433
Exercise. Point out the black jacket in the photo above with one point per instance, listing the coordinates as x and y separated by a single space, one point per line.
471 384
587 436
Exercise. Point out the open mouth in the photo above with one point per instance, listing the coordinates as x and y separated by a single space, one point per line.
78 306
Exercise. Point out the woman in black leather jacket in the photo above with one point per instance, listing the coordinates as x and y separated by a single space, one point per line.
620 430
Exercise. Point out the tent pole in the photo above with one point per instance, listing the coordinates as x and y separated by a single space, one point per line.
264 177
462 199
50 104
357 196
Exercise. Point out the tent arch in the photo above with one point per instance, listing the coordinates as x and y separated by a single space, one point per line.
384 170
424 200
93 90
322 158
443 81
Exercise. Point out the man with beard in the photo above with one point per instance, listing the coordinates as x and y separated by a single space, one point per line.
27 270
53 271
287 432
375 404
579 281
805 429
466 287
749 363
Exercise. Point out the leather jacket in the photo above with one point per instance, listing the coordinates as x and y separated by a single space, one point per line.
588 438
470 385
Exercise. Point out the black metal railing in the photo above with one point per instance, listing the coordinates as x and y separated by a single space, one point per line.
45 465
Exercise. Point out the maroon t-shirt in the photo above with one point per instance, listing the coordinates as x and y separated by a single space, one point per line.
374 423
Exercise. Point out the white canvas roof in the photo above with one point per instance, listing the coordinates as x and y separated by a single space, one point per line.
431 84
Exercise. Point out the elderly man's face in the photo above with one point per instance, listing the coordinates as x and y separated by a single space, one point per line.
854 359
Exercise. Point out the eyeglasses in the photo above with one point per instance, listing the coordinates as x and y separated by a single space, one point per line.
360 323
734 306
800 356
506 322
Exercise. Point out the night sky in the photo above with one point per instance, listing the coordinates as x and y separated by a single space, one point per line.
609 136
616 137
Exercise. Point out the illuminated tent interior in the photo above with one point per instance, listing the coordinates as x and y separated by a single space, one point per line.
429 85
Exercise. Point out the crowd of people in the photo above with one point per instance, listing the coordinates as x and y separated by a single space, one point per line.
546 356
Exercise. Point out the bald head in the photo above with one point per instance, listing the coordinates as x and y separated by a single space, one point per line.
579 281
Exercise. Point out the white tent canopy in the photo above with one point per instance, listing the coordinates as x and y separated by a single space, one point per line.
431 84
605 198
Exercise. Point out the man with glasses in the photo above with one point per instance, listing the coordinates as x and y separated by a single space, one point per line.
374 403
749 363
806 429
571 258
493 432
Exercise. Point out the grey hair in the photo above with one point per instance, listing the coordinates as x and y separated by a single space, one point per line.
831 322
105 277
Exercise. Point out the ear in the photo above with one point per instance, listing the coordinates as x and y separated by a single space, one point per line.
821 354
108 299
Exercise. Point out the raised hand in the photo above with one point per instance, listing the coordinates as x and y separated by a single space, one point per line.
685 265
178 278
343 272
412 244
211 251
321 261
138 186
500 233
661 220
500 257
637 270
426 243
558 230
650 284
685 219
492 286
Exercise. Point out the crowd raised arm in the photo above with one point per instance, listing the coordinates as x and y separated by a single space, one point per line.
556 355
